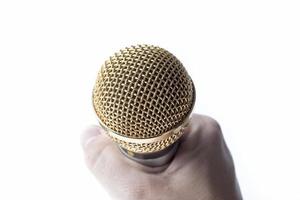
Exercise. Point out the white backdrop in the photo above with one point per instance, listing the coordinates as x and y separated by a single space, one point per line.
242 55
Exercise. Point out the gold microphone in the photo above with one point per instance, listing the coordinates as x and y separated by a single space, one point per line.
143 98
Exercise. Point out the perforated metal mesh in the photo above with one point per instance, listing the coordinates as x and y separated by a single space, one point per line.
142 92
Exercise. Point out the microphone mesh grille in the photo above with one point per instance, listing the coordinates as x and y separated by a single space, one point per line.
142 92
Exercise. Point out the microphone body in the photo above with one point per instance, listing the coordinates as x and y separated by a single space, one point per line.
143 97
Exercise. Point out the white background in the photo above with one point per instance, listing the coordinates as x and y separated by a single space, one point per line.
244 57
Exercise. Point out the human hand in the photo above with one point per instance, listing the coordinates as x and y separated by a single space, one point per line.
202 168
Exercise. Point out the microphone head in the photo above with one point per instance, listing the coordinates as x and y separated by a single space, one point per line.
143 97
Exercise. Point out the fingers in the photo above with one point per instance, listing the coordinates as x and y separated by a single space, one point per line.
202 132
200 136
203 151
202 163
204 142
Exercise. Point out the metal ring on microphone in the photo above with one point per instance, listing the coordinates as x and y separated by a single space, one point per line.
162 137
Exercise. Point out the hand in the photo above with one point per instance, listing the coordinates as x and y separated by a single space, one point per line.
202 168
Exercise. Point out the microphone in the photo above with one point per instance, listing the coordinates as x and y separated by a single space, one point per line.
143 97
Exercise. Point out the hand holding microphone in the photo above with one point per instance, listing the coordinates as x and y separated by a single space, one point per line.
143 98
202 168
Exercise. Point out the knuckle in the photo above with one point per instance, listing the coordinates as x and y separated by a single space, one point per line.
213 124
214 131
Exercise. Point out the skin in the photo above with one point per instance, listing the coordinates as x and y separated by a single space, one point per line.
202 168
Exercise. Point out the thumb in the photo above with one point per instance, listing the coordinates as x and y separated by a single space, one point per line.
102 154
93 142
116 173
